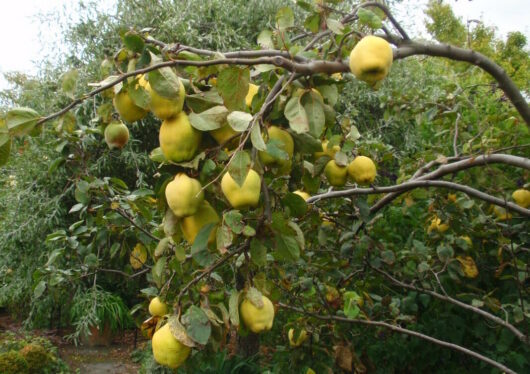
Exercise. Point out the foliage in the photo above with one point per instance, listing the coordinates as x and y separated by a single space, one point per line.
33 354
331 265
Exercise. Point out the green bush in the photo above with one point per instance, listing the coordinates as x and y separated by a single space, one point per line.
13 362
36 357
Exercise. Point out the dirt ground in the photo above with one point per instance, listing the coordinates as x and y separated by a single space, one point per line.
114 359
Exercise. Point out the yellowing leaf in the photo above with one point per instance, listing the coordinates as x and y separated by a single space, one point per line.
468 266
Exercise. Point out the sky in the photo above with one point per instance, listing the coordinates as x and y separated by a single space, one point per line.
25 37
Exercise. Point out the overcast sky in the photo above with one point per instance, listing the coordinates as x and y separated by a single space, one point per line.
24 37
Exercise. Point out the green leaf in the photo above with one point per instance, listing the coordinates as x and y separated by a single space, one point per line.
233 307
69 82
39 289
296 115
224 237
162 247
197 325
204 100
284 18
312 22
239 121
369 18
255 297
335 25
239 167
21 121
180 253
164 81
211 119
258 253
299 234
297 206
76 208
388 257
265 39
257 139
234 220
199 249
351 304
275 149
232 83
133 42
139 96
5 150
157 155
314 107
158 271
305 143
444 252
330 93
354 133
286 247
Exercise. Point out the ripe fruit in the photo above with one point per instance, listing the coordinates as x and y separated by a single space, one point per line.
252 90
362 170
163 107
325 151
178 139
284 142
184 195
302 194
501 213
370 59
301 338
157 307
116 135
167 350
138 256
522 197
243 196
336 174
223 134
191 225
257 319
126 108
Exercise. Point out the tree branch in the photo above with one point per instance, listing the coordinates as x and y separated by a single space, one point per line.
402 330
447 298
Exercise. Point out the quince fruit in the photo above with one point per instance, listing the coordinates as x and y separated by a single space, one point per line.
285 143
301 338
223 134
191 225
126 108
252 91
501 213
370 59
243 196
178 139
167 350
362 169
436 224
325 151
336 174
116 135
157 307
184 195
164 107
522 197
302 194
257 319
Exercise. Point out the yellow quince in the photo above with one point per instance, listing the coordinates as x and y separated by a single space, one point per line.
244 196
257 319
184 195
178 139
167 350
370 59
362 169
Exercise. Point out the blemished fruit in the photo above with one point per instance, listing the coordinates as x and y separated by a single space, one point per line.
325 151
257 319
362 169
302 194
138 256
302 337
370 59
178 139
126 108
116 135
184 195
191 225
285 143
336 174
157 307
522 197
243 196
163 107
167 350
252 91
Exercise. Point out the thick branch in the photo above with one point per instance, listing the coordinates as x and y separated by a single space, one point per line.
411 48
459 166
400 188
449 299
402 330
